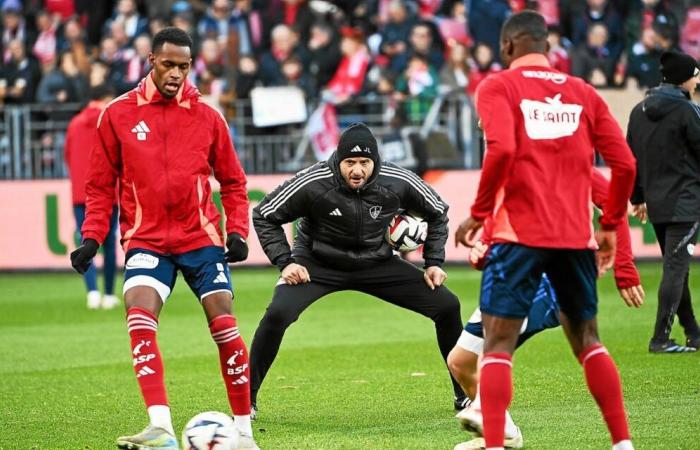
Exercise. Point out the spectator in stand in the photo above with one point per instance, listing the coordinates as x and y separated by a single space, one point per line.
156 24
44 48
592 60
558 56
454 76
216 21
126 13
600 12
486 17
285 43
643 17
350 76
665 36
136 59
99 73
13 27
19 77
454 27
246 76
395 33
643 64
184 20
64 84
422 42
73 39
110 55
61 9
293 13
482 64
325 54
418 87
247 23
210 70
293 71
117 31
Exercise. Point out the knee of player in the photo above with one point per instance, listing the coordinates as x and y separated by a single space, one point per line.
462 362
447 307
278 318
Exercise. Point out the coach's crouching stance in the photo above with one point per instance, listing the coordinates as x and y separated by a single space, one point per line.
345 206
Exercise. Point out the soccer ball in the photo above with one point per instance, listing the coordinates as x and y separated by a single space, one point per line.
210 430
406 232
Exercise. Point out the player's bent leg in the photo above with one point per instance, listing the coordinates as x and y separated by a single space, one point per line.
463 367
233 357
143 304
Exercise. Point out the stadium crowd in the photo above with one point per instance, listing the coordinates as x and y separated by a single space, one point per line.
53 51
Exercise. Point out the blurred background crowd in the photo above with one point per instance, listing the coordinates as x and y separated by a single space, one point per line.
405 52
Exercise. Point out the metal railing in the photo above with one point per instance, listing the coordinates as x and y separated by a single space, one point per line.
33 135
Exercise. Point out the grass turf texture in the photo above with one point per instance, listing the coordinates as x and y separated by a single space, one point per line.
353 372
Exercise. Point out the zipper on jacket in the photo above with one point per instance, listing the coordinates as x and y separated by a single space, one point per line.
358 234
167 179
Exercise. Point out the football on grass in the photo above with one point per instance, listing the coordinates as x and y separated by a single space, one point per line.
210 431
406 232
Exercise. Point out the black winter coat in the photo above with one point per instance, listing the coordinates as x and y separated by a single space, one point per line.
342 227
664 134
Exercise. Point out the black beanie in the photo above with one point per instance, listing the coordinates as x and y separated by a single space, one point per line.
357 141
677 67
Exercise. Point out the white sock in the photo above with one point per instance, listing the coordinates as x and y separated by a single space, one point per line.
477 401
511 429
160 417
243 425
623 445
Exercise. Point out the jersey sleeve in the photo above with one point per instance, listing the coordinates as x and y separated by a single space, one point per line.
101 181
230 175
626 274
610 142
498 123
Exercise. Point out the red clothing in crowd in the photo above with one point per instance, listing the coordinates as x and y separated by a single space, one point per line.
350 75
477 75
559 60
541 127
626 274
80 139
162 152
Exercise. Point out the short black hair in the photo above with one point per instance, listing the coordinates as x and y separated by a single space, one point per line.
173 35
527 23
101 91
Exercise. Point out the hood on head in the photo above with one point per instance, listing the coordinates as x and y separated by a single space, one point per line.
662 100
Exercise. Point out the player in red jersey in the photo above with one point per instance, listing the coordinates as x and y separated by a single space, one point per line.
541 128
160 143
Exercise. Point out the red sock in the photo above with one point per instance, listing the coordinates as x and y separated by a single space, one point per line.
148 363
604 383
233 356
496 390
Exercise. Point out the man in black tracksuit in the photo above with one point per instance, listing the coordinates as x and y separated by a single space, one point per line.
345 206
664 134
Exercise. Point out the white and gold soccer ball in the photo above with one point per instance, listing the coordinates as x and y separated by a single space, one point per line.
407 232
210 430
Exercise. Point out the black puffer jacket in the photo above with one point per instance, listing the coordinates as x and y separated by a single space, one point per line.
664 134
345 228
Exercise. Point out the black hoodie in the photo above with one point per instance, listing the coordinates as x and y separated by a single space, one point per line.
664 134
342 227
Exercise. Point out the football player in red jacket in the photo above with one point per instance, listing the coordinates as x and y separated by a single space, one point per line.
541 128
160 143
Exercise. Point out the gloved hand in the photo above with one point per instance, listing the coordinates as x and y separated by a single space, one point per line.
81 257
237 248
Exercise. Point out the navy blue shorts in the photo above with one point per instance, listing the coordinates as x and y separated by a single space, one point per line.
204 269
544 314
513 273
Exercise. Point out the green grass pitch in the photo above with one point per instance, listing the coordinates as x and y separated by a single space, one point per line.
353 372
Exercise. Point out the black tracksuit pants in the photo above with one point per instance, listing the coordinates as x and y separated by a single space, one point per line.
676 241
395 281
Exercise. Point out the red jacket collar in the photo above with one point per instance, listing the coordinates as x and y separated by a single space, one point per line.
147 92
531 59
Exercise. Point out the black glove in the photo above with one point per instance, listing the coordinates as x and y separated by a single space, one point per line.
237 248
81 257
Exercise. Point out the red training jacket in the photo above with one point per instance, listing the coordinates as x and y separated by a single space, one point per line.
626 274
163 151
80 138
541 127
